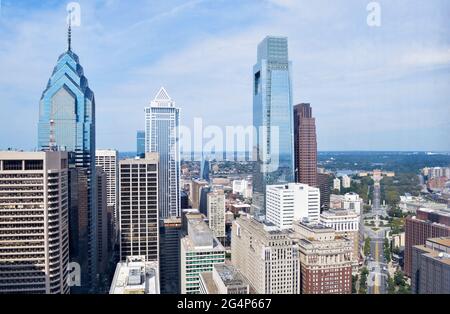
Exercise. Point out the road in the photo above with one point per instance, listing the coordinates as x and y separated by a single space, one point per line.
377 279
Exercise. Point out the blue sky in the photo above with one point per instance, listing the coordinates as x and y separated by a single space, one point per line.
371 88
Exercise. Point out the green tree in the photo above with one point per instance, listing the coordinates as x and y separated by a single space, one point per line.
367 246
391 285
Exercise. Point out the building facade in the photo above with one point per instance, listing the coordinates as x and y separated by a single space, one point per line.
169 251
325 259
138 207
216 213
224 279
293 201
162 121
427 223
431 267
200 251
305 145
272 119
34 223
324 183
265 256
108 160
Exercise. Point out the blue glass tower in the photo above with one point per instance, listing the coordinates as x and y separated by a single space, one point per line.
67 122
140 143
272 119
162 122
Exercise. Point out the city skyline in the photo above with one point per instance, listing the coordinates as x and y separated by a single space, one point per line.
352 74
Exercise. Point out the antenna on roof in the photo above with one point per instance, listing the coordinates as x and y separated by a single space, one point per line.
69 31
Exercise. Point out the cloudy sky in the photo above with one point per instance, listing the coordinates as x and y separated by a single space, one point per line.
371 88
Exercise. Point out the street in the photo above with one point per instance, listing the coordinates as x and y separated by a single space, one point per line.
377 279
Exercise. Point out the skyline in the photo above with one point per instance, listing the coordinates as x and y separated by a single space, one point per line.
376 69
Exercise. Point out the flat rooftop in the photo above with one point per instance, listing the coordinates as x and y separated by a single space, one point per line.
136 276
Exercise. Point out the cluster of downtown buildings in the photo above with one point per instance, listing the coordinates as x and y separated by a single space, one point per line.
69 211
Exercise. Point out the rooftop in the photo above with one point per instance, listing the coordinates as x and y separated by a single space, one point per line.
135 276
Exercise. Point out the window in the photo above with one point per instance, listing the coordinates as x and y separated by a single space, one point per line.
9 165
34 164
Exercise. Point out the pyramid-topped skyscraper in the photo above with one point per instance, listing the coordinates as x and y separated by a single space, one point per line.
67 123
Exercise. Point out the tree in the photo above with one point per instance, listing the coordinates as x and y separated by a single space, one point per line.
367 246
391 285
354 281
387 250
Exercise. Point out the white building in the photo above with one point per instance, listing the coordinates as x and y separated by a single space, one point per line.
242 187
337 184
346 181
162 121
108 160
34 223
353 202
136 276
293 201
138 207
199 252
216 213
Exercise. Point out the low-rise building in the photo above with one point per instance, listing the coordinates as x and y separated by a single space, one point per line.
136 276
224 279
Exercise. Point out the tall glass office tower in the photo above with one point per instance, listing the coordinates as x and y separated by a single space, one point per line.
272 119
162 121
67 122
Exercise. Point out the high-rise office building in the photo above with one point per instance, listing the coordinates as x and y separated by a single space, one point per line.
324 183
169 255
204 169
34 223
102 228
346 181
427 223
140 143
108 160
336 184
195 192
305 145
266 256
272 119
431 267
289 202
216 213
162 121
67 122
138 207
325 259
200 251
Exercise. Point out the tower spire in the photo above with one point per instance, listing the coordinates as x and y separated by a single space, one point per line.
69 33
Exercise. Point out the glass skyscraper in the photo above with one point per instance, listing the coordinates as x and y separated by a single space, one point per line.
140 143
67 123
162 120
272 119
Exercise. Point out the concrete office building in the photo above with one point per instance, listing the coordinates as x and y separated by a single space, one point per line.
325 259
195 192
265 256
346 224
200 251
224 279
431 267
216 213
138 207
290 202
305 145
427 223
136 276
109 161
34 223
